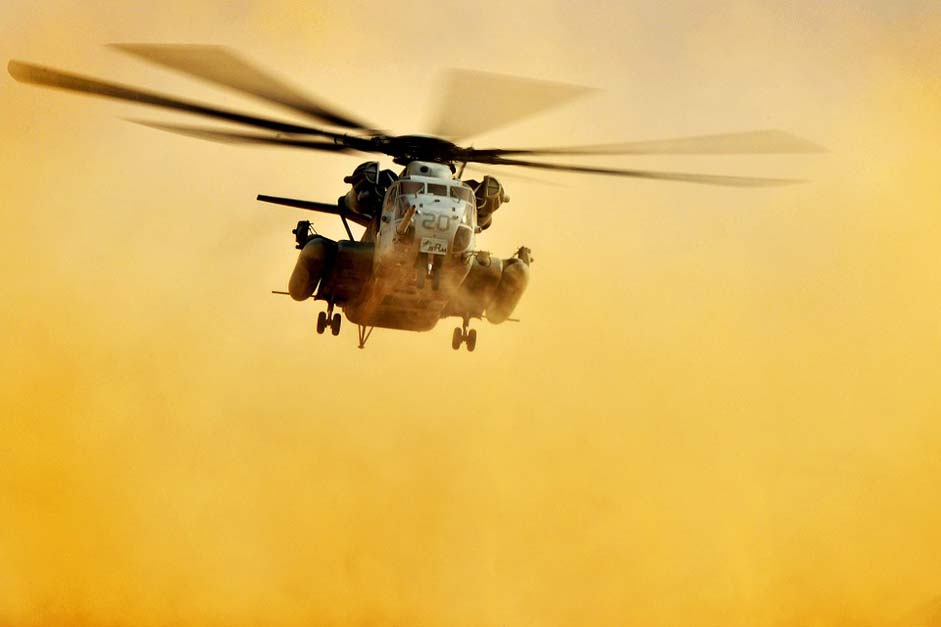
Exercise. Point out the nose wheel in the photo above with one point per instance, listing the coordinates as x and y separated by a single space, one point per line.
425 268
463 335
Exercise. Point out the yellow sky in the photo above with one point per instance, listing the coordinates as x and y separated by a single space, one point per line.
721 407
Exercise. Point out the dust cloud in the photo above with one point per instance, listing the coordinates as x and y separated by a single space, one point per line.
720 407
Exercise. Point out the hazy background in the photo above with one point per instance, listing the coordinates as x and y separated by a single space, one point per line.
721 406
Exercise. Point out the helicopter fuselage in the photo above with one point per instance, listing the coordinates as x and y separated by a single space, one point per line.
416 262
424 247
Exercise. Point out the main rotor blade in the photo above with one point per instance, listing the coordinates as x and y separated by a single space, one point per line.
705 179
48 77
222 66
514 175
473 102
229 137
768 141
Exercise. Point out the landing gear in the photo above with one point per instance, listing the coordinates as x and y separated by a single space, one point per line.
463 335
471 340
328 319
424 269
436 264
421 270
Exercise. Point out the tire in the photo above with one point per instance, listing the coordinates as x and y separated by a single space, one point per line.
457 338
335 324
321 323
471 340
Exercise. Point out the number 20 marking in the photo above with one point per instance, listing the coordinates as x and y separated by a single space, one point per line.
440 222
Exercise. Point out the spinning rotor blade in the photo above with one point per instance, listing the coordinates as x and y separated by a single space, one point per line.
504 175
769 141
221 66
705 179
489 102
38 75
473 102
229 137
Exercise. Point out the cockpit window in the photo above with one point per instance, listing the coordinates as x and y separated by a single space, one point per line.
462 193
411 187
437 190
470 215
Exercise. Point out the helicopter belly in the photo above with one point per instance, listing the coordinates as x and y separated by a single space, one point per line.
396 298
401 309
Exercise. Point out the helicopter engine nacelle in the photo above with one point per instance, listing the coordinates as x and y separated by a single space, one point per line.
369 186
317 253
513 282
490 195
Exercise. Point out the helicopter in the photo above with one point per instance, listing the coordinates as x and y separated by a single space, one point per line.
417 260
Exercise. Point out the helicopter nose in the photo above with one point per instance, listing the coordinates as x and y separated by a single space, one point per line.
438 228
436 219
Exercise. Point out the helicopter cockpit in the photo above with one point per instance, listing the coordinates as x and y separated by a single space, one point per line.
408 193
434 215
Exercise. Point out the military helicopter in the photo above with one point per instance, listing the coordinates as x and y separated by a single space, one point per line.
418 260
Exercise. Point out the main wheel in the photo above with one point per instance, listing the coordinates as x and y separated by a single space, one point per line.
457 338
321 322
471 340
335 324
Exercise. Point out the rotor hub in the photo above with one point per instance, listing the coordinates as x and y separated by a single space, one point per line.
407 148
